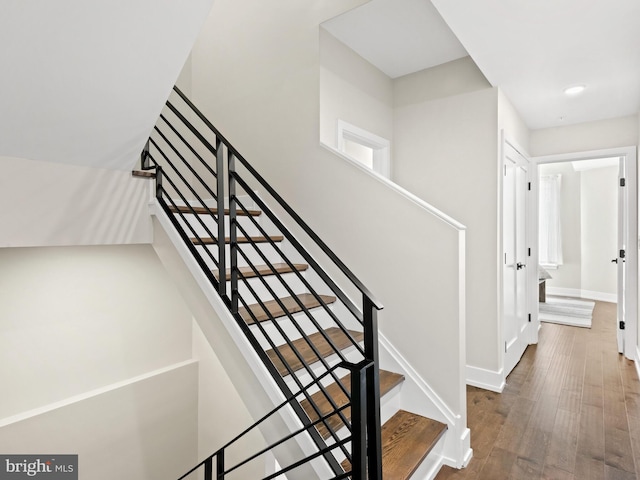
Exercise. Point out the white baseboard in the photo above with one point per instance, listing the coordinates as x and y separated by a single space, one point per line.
566 320
579 293
486 379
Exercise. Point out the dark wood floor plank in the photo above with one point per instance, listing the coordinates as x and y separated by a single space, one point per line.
561 453
572 397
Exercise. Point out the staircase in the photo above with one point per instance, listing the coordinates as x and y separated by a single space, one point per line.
319 346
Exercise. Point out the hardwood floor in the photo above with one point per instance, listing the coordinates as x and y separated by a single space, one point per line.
570 411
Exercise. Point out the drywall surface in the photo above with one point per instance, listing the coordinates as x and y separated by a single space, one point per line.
510 122
353 90
446 80
612 133
73 319
599 220
446 152
589 217
270 112
143 430
88 79
51 204
569 274
96 349
222 413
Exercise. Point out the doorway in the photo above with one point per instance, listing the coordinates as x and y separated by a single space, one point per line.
617 166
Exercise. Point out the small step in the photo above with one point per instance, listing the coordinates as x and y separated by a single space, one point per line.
274 310
144 173
206 211
407 439
214 241
337 336
264 270
388 380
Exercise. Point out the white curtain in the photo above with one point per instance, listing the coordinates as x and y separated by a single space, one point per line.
550 229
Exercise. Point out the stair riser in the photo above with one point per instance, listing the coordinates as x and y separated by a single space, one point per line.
209 222
249 250
290 330
352 355
276 285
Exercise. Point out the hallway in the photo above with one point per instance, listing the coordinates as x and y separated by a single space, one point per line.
570 411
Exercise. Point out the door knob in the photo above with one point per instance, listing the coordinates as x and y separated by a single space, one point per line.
520 266
615 260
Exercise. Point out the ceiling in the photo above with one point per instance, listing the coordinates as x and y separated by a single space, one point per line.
532 50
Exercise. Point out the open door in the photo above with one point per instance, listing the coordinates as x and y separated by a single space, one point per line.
626 257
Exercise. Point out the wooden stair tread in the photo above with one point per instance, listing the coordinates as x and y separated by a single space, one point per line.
264 270
339 339
144 173
274 310
407 438
388 380
205 211
259 239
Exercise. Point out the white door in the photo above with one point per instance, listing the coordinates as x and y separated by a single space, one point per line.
514 227
621 254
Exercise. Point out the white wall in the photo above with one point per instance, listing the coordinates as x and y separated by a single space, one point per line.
446 152
569 274
143 430
599 220
353 90
270 111
47 204
589 231
582 137
96 348
88 79
102 358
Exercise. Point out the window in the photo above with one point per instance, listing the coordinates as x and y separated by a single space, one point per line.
365 147
550 231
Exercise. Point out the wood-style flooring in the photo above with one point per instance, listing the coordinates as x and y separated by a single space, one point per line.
570 411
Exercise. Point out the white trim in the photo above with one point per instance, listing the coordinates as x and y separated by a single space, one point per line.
578 293
486 379
566 320
637 360
398 189
92 393
415 377
457 447
381 146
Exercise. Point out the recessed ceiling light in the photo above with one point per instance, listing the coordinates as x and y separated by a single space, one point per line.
574 89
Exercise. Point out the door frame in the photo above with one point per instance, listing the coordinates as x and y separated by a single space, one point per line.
631 280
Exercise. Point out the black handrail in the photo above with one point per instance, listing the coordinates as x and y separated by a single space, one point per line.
219 159
334 258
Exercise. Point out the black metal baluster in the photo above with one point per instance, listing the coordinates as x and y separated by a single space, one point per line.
359 421
144 157
220 465
233 232
208 469
374 449
158 181
222 263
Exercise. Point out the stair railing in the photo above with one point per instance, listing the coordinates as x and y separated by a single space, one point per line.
193 160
